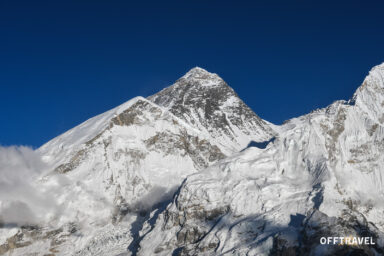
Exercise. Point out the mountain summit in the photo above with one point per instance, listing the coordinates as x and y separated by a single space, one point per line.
205 101
370 95
200 73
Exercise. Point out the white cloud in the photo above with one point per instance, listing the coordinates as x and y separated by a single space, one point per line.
22 198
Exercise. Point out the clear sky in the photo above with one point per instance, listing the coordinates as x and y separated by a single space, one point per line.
62 62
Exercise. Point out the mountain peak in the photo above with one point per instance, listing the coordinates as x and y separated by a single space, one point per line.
198 73
375 77
197 69
380 66
206 101
370 95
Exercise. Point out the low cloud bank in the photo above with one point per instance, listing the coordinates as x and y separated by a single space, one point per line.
22 200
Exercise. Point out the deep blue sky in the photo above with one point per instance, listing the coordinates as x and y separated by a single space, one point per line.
62 62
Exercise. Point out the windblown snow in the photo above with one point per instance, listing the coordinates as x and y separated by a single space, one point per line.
192 170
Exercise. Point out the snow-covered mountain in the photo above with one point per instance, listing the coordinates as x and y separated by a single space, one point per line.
192 170
206 102
321 176
130 160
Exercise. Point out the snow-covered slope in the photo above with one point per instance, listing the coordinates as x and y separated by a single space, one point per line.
119 165
321 176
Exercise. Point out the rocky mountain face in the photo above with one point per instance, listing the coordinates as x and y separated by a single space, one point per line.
177 174
206 102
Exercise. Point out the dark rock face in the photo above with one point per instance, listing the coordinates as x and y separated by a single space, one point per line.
27 235
205 101
351 223
135 114
189 236
73 163
201 151
282 248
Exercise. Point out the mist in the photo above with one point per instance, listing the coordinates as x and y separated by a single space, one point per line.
23 201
